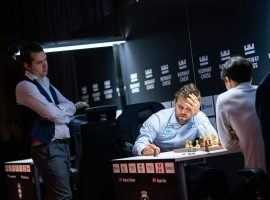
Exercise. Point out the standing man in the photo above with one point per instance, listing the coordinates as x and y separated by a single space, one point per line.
45 113
237 122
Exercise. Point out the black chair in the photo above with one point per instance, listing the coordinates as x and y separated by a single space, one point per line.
98 149
257 183
130 122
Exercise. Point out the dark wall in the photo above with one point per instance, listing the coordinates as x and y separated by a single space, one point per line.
227 27
157 41
96 76
174 42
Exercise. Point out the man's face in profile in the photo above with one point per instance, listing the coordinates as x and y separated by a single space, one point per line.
182 111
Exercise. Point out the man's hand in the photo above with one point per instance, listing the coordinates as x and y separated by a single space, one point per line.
151 150
193 103
233 134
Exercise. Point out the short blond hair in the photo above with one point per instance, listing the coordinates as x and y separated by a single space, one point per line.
184 92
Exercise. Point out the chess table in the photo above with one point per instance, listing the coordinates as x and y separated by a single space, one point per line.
161 177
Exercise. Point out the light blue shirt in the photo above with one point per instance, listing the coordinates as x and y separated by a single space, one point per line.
163 129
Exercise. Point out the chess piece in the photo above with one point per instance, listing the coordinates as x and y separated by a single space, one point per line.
201 142
197 146
214 140
190 144
206 145
186 144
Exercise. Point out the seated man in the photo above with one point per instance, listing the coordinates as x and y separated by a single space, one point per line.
169 128
237 121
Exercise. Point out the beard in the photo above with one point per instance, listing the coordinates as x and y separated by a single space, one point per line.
182 119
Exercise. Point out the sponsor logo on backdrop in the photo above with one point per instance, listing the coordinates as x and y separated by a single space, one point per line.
96 93
249 50
135 85
107 89
213 122
224 55
150 81
183 73
166 79
208 106
205 70
203 60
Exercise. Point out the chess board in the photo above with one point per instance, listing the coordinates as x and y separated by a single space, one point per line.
210 148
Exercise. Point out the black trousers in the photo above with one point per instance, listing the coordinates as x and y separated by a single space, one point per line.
53 163
204 181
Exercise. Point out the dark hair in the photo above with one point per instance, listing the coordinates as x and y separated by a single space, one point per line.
26 49
184 92
238 69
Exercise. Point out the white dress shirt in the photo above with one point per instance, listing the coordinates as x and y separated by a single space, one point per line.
27 94
236 114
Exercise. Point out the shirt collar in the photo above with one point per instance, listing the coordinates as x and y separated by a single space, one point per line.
33 77
244 84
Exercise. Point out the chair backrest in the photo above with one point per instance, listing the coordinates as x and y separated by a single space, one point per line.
101 113
130 122
98 149
258 180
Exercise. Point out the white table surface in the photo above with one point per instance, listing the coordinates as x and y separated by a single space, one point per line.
183 156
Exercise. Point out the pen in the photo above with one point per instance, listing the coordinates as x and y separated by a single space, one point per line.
155 150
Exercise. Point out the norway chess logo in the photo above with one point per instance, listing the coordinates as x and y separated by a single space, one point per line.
249 49
164 69
203 60
148 73
144 195
133 77
225 55
182 64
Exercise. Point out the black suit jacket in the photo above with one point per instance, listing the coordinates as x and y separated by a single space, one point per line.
263 112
